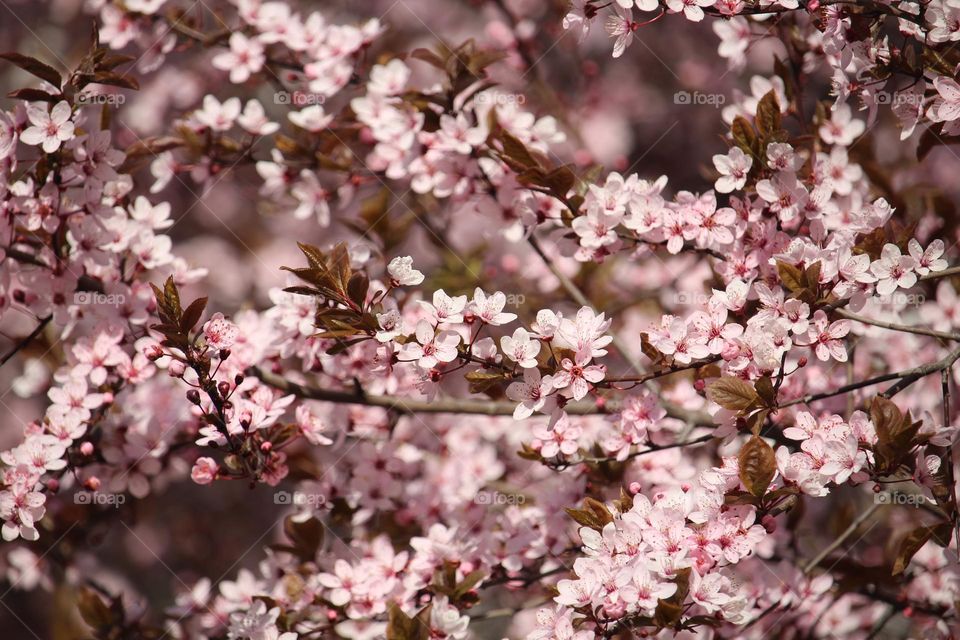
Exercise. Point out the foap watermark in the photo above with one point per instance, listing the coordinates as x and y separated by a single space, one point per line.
500 99
898 98
901 498
99 498
691 298
698 97
112 99
516 300
299 498
299 98
97 298
902 299
498 498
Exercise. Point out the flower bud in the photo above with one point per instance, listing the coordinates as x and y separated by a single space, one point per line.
769 523
223 388
92 483
86 448
193 396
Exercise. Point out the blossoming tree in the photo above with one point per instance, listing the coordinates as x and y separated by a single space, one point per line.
381 286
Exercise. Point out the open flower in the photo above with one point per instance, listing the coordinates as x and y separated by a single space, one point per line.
431 348
49 130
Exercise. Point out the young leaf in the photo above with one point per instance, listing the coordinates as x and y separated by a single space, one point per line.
768 114
35 67
915 540
758 464
733 394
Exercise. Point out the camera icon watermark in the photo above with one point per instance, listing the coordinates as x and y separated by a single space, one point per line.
97 298
716 100
99 498
299 98
89 98
901 498
498 498
299 499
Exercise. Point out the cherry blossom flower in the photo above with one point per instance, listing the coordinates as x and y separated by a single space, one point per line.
204 470
826 337
217 116
445 308
561 438
533 393
521 348
928 259
219 332
893 270
577 374
489 309
733 168
48 130
402 273
620 26
692 9
841 128
245 57
433 348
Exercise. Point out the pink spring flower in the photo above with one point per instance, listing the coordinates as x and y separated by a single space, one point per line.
48 130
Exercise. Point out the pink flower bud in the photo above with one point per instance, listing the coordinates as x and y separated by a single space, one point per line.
769 523
86 448
204 470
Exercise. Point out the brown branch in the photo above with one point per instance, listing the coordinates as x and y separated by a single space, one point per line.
27 340
451 405
906 377
923 331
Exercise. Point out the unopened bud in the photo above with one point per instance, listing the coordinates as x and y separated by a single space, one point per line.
635 488
700 385
224 354
224 389
238 379
92 483
86 448
266 446
769 523
53 485
802 362
193 396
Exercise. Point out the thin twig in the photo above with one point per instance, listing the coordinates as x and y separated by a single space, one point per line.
923 331
830 548
27 340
